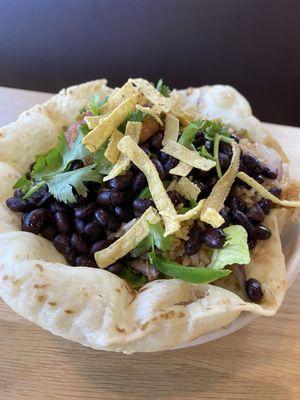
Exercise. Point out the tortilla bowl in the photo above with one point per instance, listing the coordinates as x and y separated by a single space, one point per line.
93 306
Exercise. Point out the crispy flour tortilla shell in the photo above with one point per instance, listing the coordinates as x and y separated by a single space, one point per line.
92 306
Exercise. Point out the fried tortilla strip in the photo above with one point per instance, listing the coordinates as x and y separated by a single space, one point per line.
95 138
190 157
117 97
151 112
159 195
133 130
161 103
187 189
171 129
181 169
265 193
112 152
129 240
215 201
194 213
93 120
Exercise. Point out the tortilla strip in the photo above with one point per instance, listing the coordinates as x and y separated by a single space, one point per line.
265 193
161 103
171 129
214 202
187 189
93 120
95 138
128 241
194 213
118 97
150 111
156 187
181 169
112 152
190 157
133 130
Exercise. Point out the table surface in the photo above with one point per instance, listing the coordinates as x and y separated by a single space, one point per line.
261 361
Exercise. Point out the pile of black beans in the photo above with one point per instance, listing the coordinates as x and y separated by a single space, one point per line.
80 229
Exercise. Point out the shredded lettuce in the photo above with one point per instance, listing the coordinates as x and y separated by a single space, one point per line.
235 249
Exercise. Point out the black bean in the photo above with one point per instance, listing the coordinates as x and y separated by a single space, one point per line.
224 161
251 243
199 140
93 186
80 201
138 182
141 205
163 157
176 198
269 173
76 165
261 232
79 225
275 191
125 214
107 220
170 163
17 204
70 255
256 214
85 261
115 268
209 145
205 189
156 140
49 232
254 290
265 205
145 147
252 164
39 197
61 242
79 242
121 182
85 210
240 218
100 245
225 148
259 178
192 245
214 238
159 167
34 220
111 197
59 206
225 215
63 222
237 203
93 230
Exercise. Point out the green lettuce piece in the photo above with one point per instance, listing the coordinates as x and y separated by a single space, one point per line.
188 135
157 237
142 247
163 89
234 251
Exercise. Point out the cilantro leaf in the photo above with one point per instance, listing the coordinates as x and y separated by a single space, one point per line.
163 89
204 153
135 116
22 183
103 165
188 135
96 103
61 185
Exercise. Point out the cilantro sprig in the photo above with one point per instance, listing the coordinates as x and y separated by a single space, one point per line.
163 89
96 103
53 169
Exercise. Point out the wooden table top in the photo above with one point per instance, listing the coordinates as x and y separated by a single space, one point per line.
261 361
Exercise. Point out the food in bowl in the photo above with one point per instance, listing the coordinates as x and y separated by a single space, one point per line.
142 218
